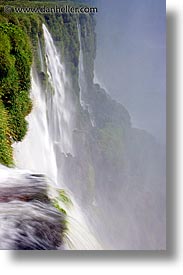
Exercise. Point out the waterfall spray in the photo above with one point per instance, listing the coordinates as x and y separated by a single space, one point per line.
59 105
51 122
82 80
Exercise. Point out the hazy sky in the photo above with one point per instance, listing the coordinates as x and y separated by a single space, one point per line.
131 58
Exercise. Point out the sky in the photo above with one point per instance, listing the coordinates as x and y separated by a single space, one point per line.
131 59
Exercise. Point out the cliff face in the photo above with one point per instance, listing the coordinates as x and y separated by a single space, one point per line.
116 171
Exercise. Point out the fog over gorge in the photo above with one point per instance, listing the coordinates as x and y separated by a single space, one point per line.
131 59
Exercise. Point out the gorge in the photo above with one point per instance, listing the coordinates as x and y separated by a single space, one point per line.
79 172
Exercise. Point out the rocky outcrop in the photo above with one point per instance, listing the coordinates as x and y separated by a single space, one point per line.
28 218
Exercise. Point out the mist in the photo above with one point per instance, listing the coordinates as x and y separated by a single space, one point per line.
92 154
130 62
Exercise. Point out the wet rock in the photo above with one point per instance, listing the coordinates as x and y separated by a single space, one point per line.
28 219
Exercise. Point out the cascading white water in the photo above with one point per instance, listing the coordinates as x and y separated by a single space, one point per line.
36 152
40 55
27 218
59 106
82 80
50 123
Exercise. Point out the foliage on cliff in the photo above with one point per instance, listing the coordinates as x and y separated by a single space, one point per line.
6 154
15 63
63 28
18 45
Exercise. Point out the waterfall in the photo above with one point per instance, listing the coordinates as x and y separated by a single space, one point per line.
50 125
60 107
82 81
27 218
40 55
36 151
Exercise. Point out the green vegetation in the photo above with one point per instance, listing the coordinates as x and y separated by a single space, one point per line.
30 24
6 154
15 64
58 207
62 199
88 35
19 34
64 31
